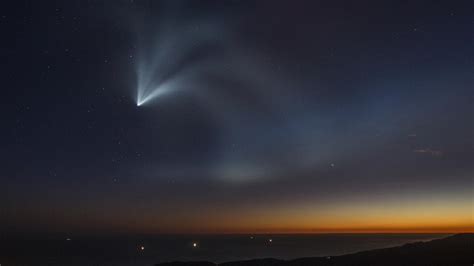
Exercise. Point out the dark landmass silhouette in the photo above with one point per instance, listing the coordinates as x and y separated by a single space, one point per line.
456 250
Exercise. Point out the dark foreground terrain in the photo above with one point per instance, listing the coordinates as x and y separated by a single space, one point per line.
451 251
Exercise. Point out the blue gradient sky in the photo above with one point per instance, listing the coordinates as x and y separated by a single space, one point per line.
268 116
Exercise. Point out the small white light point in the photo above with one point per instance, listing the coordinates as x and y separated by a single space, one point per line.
270 240
195 245
142 248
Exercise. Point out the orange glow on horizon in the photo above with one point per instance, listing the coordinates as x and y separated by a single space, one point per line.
406 215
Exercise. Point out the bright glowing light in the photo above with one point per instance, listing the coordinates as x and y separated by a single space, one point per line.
145 96
195 244
142 248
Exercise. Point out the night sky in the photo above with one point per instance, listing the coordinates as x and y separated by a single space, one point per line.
236 116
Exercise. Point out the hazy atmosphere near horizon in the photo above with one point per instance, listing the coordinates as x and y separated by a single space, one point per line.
214 117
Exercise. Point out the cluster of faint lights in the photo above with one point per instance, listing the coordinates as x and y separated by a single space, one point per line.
195 244
142 248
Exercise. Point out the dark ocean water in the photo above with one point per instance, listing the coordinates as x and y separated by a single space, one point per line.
217 248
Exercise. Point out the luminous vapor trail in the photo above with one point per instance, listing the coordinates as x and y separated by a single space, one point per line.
165 53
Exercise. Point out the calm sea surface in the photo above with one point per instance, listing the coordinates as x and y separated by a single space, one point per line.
219 248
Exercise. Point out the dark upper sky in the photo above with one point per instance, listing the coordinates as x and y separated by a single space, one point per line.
266 116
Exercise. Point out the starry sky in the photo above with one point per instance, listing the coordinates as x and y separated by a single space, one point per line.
236 116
